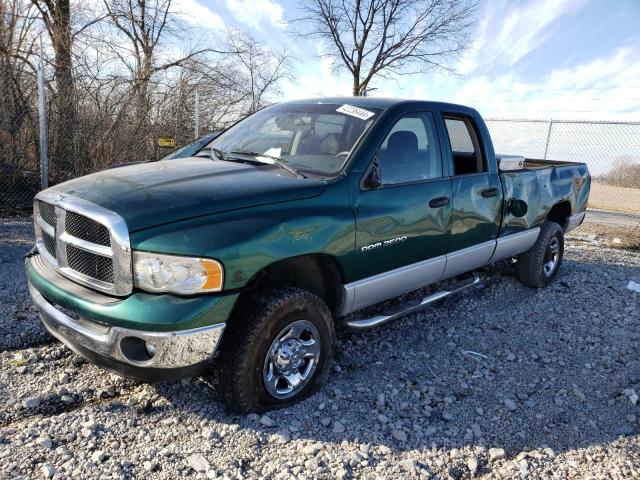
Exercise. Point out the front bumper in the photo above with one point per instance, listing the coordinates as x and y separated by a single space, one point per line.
144 354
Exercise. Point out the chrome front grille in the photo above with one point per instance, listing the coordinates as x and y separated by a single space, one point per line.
84 242
48 213
87 229
90 264
49 244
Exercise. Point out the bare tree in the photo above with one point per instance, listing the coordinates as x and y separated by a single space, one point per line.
134 69
260 68
380 38
56 15
18 147
145 24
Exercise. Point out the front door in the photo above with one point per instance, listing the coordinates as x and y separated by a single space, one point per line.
403 223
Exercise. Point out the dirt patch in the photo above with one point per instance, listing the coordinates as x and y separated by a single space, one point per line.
610 229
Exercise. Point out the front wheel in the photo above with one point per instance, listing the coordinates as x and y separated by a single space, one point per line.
276 351
538 266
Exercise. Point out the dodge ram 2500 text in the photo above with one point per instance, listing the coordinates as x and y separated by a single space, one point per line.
247 254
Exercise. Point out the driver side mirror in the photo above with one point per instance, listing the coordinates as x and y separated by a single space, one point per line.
372 178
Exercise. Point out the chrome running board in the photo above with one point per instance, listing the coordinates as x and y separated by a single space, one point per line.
367 323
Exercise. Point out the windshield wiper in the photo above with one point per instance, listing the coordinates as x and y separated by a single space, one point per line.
274 160
214 154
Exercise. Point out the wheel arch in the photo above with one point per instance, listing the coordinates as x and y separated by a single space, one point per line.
319 274
560 213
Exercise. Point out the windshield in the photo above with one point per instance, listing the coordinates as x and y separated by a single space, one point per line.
315 138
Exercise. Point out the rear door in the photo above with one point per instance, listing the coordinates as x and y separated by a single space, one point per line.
476 196
406 219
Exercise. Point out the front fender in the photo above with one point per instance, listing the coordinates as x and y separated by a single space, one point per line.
250 239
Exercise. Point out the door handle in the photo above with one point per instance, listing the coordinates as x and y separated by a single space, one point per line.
439 202
489 192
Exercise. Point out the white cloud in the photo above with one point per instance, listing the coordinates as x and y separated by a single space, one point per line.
596 90
255 12
506 34
197 14
587 90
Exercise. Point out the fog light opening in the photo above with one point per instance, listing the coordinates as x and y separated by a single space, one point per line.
137 351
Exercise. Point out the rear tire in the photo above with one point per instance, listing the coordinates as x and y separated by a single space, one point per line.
538 266
276 351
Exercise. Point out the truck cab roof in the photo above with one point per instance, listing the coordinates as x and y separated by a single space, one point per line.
385 103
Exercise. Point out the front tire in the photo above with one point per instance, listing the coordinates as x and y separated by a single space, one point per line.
538 266
276 351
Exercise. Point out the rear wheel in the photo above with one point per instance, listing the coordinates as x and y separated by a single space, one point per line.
277 350
539 265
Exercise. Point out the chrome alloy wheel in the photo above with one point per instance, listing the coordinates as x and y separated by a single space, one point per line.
551 257
291 359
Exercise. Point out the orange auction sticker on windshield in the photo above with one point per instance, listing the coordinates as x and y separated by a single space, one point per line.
357 112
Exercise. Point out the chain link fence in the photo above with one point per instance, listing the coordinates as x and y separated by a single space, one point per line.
610 149
19 182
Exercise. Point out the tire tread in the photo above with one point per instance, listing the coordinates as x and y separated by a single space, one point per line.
247 329
530 263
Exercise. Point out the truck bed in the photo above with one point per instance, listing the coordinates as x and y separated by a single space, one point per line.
541 184
537 164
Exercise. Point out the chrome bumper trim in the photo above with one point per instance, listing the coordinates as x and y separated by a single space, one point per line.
574 221
172 349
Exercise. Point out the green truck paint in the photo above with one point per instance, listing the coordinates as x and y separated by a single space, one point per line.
330 233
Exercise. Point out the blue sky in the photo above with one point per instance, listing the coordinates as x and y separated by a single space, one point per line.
529 59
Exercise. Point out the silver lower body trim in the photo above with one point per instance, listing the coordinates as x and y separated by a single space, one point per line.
574 221
515 244
467 259
381 287
171 349
384 286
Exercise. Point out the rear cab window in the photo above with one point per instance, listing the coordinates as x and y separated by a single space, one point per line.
466 148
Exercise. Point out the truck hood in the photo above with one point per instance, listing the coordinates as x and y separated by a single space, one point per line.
151 194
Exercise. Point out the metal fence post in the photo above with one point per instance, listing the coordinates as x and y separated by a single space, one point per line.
44 161
546 146
197 116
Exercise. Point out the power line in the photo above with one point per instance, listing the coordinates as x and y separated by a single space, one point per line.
582 99
526 90
492 112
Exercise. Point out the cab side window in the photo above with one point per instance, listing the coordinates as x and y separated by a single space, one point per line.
468 156
410 151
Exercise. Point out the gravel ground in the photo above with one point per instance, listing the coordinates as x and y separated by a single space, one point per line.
504 382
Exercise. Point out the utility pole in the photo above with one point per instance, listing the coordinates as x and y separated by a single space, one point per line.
44 161
546 146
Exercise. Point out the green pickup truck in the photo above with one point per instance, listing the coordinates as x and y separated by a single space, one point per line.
245 257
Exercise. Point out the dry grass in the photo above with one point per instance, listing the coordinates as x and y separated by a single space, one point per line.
615 199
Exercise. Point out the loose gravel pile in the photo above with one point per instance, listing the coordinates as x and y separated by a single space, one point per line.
503 382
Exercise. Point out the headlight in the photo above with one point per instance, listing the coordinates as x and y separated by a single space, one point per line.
155 272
